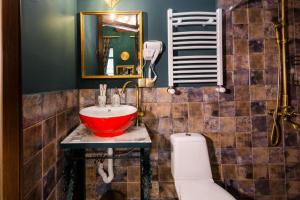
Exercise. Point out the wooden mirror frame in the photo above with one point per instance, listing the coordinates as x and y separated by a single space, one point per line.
83 67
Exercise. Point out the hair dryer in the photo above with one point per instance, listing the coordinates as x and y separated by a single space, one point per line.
151 51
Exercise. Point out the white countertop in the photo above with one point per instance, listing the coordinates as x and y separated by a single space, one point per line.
82 138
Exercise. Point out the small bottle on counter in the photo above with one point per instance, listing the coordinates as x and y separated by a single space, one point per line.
116 99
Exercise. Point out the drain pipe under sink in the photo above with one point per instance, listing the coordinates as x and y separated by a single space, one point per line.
107 178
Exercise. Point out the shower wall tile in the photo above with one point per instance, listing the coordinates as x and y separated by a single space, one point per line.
47 119
240 16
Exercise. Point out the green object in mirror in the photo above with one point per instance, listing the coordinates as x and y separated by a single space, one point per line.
105 36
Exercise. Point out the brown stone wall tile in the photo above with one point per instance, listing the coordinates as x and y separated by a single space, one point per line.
277 187
32 141
240 31
276 155
162 96
210 95
227 109
260 155
180 125
61 122
49 156
259 124
258 93
167 190
243 140
211 109
48 183
72 98
258 107
257 77
163 110
61 194
49 104
276 172
257 61
195 94
245 172
242 108
181 95
240 16
211 124
121 188
260 139
133 173
260 171
241 77
256 31
164 173
270 46
242 93
240 46
179 110
244 156
292 155
49 130
32 109
228 140
262 187
229 171
120 174
87 97
240 62
133 190
246 188
165 126
243 124
227 124
228 155
256 46
36 193
149 95
72 118
154 191
33 169
61 101
255 15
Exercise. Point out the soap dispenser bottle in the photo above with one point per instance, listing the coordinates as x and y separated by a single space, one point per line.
116 99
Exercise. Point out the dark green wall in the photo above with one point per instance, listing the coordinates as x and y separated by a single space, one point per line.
48 45
155 27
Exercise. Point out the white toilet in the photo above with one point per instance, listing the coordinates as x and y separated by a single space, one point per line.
191 169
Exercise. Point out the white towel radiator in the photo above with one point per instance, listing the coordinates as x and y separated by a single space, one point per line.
195 49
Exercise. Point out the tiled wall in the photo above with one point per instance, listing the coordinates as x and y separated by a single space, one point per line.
236 124
47 119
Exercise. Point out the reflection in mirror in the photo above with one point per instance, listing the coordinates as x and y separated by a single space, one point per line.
111 43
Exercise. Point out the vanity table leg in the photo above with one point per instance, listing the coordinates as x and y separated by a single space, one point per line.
75 189
145 174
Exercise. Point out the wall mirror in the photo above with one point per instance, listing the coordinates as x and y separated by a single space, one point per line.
111 44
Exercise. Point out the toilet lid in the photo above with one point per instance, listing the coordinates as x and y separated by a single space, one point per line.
202 190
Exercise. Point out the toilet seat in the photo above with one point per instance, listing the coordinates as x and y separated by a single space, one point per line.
201 190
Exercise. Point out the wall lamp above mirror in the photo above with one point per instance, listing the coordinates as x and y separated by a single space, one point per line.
111 3
111 44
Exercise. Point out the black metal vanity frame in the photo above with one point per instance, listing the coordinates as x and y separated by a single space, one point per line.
75 154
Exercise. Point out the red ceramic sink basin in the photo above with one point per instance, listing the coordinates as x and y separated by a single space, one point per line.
108 121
